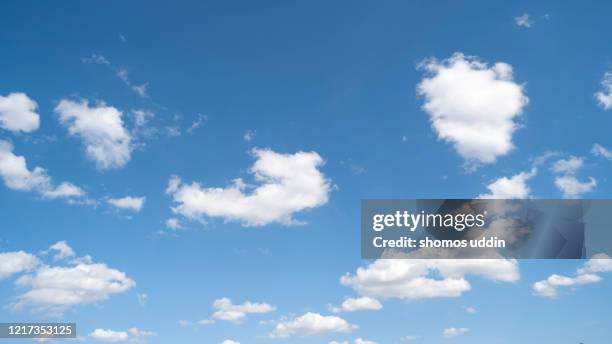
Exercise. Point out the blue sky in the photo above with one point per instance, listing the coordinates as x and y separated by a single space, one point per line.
211 92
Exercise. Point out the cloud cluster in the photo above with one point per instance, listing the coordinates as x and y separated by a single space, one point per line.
311 324
134 335
16 175
288 183
18 113
100 127
586 275
604 96
472 105
426 278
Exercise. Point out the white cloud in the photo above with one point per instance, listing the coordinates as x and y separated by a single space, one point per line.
198 122
55 289
16 175
128 203
311 324
572 187
336 342
454 332
471 309
106 140
585 275
227 311
173 224
426 278
567 183
229 341
570 165
472 105
109 335
358 304
18 113
16 262
513 187
523 20
63 250
249 135
599 150
288 183
142 299
604 96
96 59
363 341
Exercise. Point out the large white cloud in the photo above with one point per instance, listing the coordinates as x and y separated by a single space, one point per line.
588 274
426 278
16 175
604 96
18 113
226 310
106 140
510 188
288 183
311 324
472 105
15 262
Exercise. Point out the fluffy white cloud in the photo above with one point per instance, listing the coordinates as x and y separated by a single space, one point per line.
229 341
454 332
358 304
15 262
18 113
173 224
336 342
106 140
128 203
599 150
472 105
513 187
288 183
16 175
55 289
426 278
226 310
604 96
109 335
523 20
585 275
311 324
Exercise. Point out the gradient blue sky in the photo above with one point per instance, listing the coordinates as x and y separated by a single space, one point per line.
336 78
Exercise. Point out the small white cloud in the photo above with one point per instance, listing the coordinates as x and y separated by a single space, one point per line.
358 304
106 140
363 341
523 20
288 183
249 135
454 332
571 187
471 309
16 175
510 188
128 203
229 341
599 150
198 122
604 96
18 113
472 105
227 311
95 59
63 250
173 224
570 165
311 324
109 335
